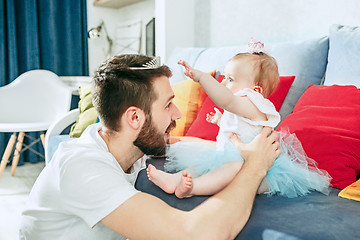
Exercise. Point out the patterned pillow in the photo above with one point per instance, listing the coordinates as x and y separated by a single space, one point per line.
87 112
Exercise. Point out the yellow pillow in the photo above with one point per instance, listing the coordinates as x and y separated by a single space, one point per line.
351 192
189 97
87 112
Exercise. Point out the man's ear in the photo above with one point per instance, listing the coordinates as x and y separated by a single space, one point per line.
135 117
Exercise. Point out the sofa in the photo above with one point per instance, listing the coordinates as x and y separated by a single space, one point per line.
318 99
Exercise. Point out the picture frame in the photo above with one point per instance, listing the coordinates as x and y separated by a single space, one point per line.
150 37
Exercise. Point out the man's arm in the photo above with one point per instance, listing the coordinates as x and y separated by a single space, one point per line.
222 216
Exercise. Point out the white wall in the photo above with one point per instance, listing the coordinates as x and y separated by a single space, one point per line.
142 10
234 22
212 23
98 47
174 25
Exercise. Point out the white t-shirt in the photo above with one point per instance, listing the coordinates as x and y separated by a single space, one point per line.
80 186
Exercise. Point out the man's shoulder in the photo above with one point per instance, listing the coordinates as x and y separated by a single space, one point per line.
88 143
81 153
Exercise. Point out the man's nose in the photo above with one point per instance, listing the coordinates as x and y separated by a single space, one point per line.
176 113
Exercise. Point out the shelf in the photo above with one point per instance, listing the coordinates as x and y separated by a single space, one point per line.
115 3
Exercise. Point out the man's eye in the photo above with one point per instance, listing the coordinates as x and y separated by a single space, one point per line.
230 80
169 104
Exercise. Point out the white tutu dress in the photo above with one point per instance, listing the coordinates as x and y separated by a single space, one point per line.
292 174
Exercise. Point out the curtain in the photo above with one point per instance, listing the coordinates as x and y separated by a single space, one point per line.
41 34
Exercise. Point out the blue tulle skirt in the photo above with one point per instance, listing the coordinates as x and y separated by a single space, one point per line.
292 174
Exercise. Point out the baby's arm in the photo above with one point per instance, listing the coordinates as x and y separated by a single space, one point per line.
221 95
217 92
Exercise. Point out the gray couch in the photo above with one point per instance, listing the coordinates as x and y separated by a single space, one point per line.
313 217
318 61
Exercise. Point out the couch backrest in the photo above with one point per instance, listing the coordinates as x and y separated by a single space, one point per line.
304 59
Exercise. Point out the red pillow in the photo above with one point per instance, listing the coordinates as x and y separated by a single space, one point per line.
326 119
278 96
202 129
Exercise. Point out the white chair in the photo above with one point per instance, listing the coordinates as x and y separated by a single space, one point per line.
30 104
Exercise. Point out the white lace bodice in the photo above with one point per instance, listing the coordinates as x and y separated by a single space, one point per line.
245 128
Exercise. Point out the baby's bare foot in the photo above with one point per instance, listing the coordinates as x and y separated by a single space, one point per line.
163 180
186 184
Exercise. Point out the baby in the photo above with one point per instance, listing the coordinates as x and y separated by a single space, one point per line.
204 170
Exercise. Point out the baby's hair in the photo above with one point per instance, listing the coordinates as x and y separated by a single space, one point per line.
267 73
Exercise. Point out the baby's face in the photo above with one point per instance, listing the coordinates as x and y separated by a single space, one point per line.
239 74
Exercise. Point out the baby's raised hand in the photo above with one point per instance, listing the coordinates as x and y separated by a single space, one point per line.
214 117
192 73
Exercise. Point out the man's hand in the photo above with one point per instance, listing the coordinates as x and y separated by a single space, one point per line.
262 151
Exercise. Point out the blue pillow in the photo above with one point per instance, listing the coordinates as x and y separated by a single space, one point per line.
344 56
53 144
306 60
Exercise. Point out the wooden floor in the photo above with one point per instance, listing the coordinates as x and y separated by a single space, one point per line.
14 192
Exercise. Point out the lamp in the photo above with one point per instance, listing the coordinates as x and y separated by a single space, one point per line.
96 32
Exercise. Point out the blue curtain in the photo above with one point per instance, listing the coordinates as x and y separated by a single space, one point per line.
41 34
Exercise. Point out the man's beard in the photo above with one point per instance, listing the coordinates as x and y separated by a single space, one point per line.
150 141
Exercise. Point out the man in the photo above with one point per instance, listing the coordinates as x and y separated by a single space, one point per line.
87 190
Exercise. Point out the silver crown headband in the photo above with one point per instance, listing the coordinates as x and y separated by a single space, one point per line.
152 64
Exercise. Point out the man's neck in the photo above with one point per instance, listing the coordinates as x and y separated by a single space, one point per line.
124 151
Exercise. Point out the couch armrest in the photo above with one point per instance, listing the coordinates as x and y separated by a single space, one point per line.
58 126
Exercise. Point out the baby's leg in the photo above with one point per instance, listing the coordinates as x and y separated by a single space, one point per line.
179 183
216 180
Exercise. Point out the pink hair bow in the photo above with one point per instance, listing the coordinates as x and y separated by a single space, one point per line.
255 46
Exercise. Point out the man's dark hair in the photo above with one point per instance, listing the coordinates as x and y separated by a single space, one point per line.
118 87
